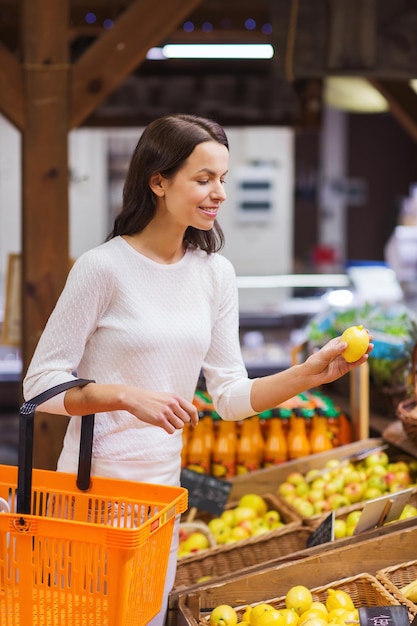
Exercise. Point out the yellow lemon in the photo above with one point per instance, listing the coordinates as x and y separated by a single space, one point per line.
357 340
320 606
246 614
298 598
339 599
270 618
347 616
315 620
257 613
290 617
309 614
334 613
223 615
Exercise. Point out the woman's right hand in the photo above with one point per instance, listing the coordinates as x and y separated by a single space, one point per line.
158 408
166 410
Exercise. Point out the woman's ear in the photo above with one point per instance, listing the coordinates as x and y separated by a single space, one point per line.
156 185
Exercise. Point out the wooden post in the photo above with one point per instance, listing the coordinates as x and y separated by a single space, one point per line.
45 230
359 401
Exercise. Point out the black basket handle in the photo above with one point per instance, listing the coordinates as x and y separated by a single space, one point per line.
25 451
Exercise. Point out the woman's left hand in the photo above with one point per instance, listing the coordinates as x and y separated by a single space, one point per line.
328 364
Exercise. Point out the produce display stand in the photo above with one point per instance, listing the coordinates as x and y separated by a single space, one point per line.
228 562
396 577
353 556
364 590
267 480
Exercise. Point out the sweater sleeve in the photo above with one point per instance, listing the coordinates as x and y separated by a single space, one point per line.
73 320
224 370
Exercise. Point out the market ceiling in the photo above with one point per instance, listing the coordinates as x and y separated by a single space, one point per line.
313 39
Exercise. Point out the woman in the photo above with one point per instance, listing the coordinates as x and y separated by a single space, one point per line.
146 311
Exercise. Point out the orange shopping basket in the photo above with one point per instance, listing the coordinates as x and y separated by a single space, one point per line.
76 550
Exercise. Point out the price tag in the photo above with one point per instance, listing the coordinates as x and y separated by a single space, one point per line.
382 510
205 492
323 533
383 616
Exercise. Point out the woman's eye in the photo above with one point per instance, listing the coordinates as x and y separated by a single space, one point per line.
202 182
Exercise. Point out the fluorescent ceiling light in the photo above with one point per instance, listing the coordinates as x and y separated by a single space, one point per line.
212 51
353 94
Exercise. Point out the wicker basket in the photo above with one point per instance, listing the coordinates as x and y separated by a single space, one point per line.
364 589
230 558
396 577
407 410
197 526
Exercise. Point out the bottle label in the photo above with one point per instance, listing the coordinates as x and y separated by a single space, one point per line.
244 467
221 468
272 462
199 467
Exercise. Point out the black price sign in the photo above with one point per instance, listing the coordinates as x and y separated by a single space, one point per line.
383 616
323 533
205 492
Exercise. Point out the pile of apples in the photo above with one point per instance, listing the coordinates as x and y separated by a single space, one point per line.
251 517
346 483
299 609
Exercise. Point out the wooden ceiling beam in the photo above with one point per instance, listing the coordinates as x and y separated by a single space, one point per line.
402 101
11 88
116 53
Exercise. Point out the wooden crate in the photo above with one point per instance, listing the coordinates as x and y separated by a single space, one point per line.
364 589
267 480
398 576
382 548
230 558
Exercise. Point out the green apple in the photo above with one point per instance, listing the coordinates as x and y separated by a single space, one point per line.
354 492
272 517
302 489
352 518
196 541
254 501
241 513
238 533
216 524
339 528
371 493
285 489
376 481
294 478
375 458
304 507
408 511
228 517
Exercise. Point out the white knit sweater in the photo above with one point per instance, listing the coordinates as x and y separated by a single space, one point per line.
123 318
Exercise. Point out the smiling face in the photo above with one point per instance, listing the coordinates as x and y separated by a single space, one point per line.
194 195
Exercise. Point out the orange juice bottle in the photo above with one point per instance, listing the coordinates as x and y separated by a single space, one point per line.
198 457
284 415
320 436
247 452
276 448
185 442
345 429
298 443
332 415
258 439
208 429
223 458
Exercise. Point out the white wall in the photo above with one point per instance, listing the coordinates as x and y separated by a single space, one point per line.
254 248
265 247
10 197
